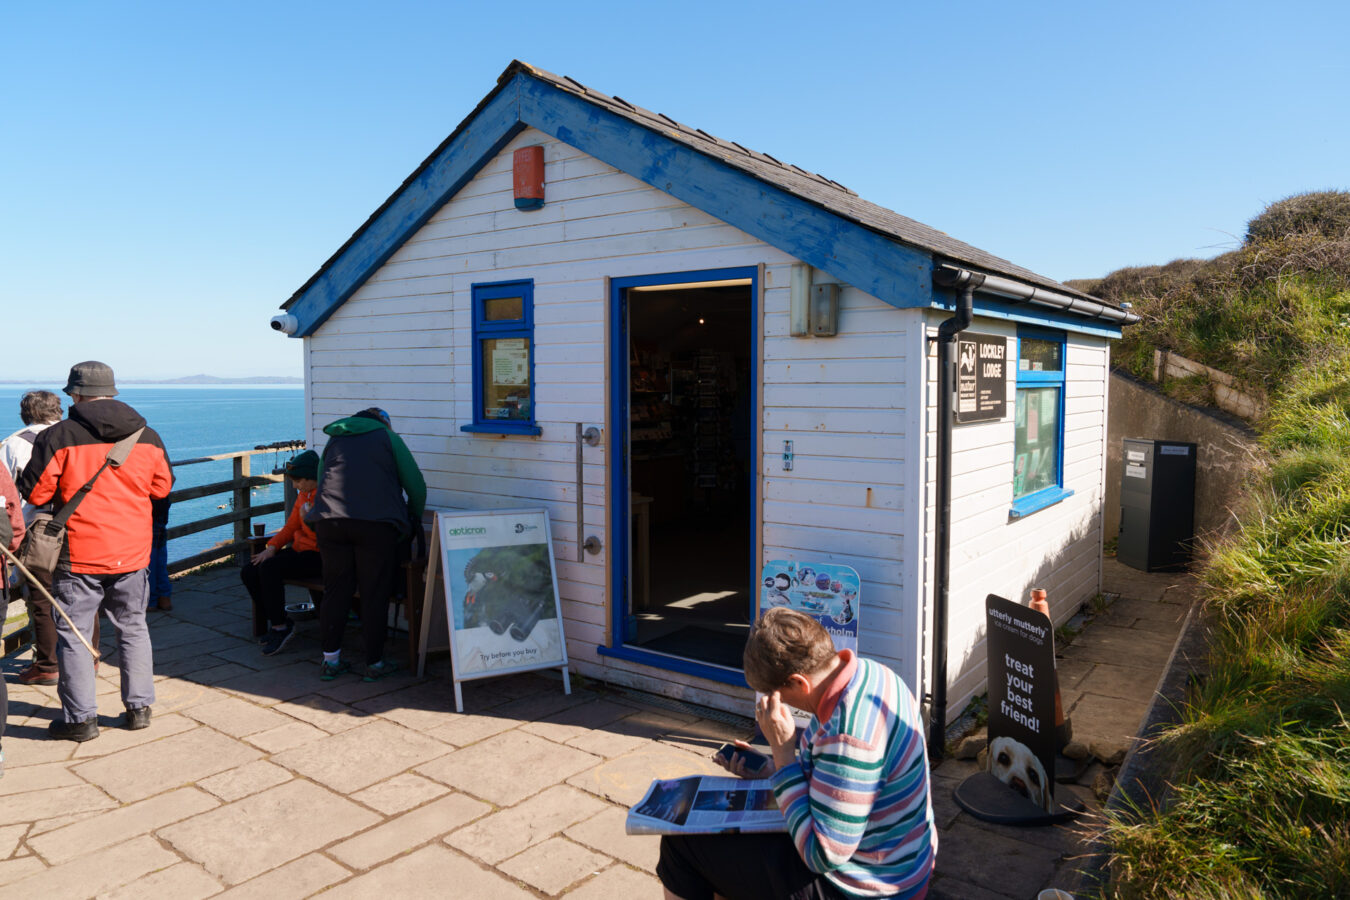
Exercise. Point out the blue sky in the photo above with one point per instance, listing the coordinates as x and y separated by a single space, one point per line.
172 172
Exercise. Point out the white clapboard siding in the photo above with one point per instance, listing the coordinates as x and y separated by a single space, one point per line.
1057 548
402 342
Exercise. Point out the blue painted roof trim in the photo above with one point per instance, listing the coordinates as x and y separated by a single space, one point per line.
892 272
896 273
1028 314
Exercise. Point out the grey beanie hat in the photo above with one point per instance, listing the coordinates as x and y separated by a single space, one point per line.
91 379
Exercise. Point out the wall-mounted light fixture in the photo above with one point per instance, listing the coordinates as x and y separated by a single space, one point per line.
799 318
824 310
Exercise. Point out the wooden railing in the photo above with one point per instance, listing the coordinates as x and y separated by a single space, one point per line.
240 487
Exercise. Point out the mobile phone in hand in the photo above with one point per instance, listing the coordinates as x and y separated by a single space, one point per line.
755 763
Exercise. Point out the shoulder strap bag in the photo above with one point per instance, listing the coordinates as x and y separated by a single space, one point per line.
46 536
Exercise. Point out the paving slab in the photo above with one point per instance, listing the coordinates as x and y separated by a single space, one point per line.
10 835
37 778
236 717
383 749
273 686
1109 644
116 826
1012 868
506 833
178 760
34 805
400 793
433 871
97 873
605 832
184 881
625 779
303 877
1121 682
399 834
578 721
555 864
286 737
249 778
618 882
509 767
113 739
1107 721
244 839
12 870
324 712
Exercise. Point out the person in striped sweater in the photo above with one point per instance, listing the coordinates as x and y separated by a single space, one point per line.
854 785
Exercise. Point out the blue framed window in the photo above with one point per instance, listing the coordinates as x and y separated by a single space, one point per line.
503 358
1038 443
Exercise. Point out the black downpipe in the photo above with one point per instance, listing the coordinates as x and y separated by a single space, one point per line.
946 339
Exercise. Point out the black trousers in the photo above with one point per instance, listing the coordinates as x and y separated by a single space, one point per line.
356 555
266 585
739 867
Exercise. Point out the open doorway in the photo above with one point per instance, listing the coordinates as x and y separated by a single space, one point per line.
690 465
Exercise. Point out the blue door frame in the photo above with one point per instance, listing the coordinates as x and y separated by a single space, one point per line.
620 508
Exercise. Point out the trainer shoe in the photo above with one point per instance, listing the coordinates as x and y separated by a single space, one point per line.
376 671
34 675
79 732
164 603
136 718
328 671
275 640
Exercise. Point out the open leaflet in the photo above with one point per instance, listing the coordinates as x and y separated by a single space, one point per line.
706 804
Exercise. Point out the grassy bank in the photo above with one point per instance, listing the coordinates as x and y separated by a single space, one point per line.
1260 764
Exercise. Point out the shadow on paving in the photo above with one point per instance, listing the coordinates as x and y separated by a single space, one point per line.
382 787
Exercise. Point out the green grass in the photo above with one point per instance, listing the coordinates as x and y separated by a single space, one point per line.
1258 768
1260 764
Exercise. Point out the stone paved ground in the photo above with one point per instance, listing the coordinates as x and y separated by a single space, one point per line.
258 780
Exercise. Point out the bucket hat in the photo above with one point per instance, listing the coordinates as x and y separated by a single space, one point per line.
306 465
91 379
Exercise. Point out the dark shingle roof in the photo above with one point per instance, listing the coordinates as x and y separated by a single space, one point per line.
822 191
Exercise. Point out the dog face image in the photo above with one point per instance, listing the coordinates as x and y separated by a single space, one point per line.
1013 763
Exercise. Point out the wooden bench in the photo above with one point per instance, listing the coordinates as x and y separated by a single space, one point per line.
414 579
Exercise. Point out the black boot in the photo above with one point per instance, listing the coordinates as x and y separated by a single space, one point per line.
80 732
136 718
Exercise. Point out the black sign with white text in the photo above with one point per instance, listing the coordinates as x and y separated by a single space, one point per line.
1022 747
981 377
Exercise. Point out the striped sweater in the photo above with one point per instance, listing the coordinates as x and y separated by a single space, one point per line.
856 799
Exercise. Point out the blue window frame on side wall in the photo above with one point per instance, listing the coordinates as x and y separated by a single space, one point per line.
1038 444
503 358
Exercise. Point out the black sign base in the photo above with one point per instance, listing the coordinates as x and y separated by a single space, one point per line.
990 800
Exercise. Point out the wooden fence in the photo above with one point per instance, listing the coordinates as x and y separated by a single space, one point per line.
240 487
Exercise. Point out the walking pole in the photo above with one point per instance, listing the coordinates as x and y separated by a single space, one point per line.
57 606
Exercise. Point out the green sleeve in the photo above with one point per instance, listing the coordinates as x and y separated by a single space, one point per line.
410 476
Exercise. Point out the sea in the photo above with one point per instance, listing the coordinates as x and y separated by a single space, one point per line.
203 420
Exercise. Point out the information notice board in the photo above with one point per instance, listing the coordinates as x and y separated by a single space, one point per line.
981 377
501 593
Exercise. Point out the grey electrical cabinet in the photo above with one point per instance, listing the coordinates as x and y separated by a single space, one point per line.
1157 504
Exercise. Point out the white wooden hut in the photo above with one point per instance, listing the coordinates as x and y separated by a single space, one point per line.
674 291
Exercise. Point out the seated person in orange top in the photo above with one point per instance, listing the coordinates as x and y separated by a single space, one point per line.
265 574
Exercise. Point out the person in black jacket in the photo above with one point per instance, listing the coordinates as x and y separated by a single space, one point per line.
359 516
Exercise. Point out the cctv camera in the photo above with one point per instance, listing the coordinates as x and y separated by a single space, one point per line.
286 324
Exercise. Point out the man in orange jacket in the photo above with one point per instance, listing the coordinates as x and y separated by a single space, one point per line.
103 565
266 573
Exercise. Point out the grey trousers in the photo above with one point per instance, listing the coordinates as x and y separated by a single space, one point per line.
124 598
